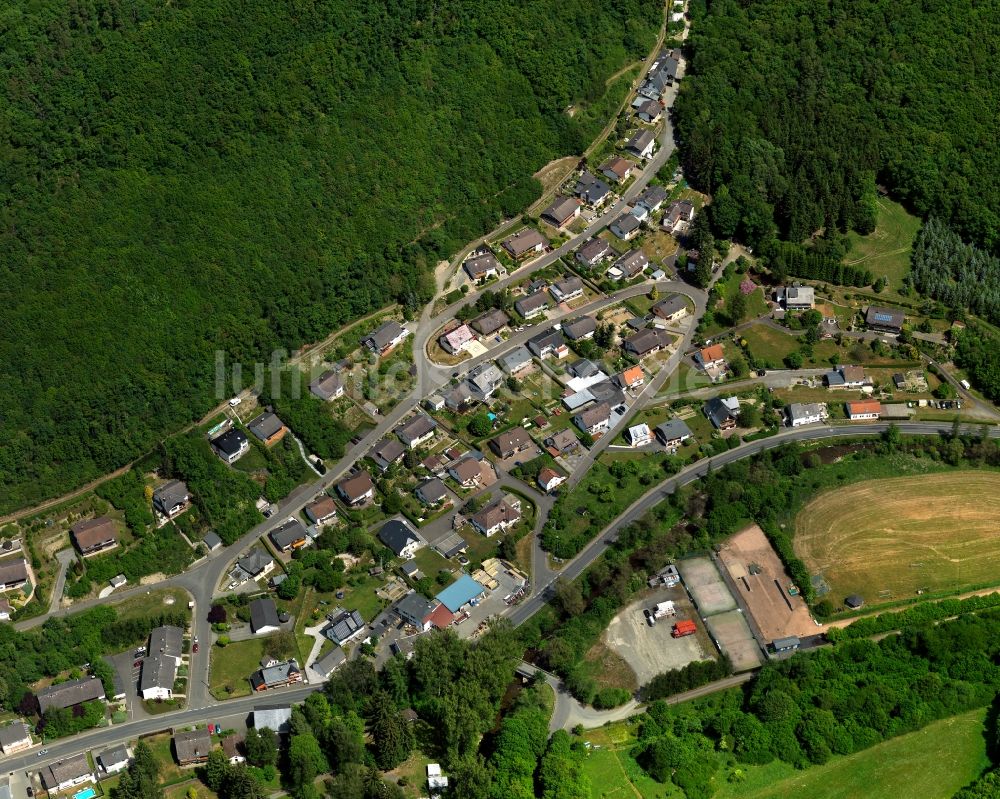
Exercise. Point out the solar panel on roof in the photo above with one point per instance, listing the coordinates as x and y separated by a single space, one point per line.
883 317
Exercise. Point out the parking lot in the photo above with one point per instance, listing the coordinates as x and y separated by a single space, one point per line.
492 604
127 670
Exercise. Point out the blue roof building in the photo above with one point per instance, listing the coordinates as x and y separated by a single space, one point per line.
460 593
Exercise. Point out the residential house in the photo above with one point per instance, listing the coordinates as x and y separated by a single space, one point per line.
484 380
532 305
885 320
679 215
274 718
416 431
630 265
672 433
330 662
255 565
549 479
115 759
171 498
93 536
593 252
345 626
562 211
435 402
525 243
617 169
322 510
712 357
606 391
485 265
192 748
13 574
328 386
385 337
592 190
511 442
66 773
499 516
579 329
159 673
671 309
652 198
15 737
70 693
415 610
276 675
457 340
797 298
649 110
264 616
466 472
515 362
638 435
584 369
594 420
849 377
633 377
387 452
398 536
864 409
232 747
546 342
563 442
432 491
803 413
459 398
268 428
641 144
231 445
567 289
722 412
646 342
289 535
626 227
490 322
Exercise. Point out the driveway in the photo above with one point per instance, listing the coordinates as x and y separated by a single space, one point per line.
65 558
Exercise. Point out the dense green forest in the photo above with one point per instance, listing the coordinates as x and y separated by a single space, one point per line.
793 110
181 178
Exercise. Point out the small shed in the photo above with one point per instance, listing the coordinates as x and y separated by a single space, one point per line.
855 601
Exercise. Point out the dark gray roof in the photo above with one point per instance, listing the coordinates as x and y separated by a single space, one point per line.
254 562
211 540
230 442
170 494
481 264
568 285
332 660
653 196
642 139
384 334
626 223
584 368
491 321
578 328
72 692
263 613
432 490
415 606
591 188
547 338
343 625
194 745
717 411
65 770
287 533
274 675
13 733
561 209
388 450
113 756
884 317
532 302
672 430
396 535
417 427
646 340
265 426
326 385
166 640
670 305
158 671
593 250
606 391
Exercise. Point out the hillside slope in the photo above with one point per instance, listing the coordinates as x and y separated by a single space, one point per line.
188 177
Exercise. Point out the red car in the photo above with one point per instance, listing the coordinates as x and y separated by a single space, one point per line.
194 648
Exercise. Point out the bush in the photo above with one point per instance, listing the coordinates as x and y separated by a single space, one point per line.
608 698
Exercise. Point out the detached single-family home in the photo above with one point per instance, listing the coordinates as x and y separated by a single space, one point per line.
515 362
357 489
253 566
546 342
594 420
796 298
466 472
484 265
159 672
642 143
639 435
432 491
289 535
593 252
398 536
498 516
276 675
652 198
70 693
630 265
387 452
328 386
567 289
672 433
192 748
585 368
457 340
459 398
649 110
416 611
864 409
322 510
885 320
803 413
264 616
525 243
385 337
278 719
171 498
626 227
617 169
592 190
231 445
846 377
562 211
563 442
13 574
532 305
94 536
678 216
712 357
580 329
671 309
490 322
268 428
549 479
232 747
416 431
646 342
511 442
484 380
115 759
633 377
345 626
15 737
66 773
722 412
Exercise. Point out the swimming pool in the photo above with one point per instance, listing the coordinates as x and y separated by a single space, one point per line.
86 793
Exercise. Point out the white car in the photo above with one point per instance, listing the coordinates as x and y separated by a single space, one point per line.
234 402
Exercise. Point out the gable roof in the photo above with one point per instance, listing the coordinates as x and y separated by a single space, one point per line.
415 428
568 285
646 340
884 317
547 338
158 671
331 661
113 756
397 535
640 141
525 240
594 415
387 332
626 223
466 469
432 490
532 302
579 327
70 693
166 640
288 533
459 593
593 250
632 375
710 354
65 770
322 507
415 606
327 385
669 306
631 263
255 561
621 167
515 359
561 209
511 440
171 493
266 426
230 442
92 532
14 733
672 430
482 264
193 745
459 337
864 406
653 196
13 571
263 613
275 718
491 321
389 450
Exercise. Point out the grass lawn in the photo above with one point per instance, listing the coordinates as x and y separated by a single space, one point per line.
180 791
877 538
613 772
153 602
769 345
608 669
886 251
170 772
896 768
231 667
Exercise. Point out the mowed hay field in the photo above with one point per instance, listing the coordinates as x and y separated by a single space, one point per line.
890 538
